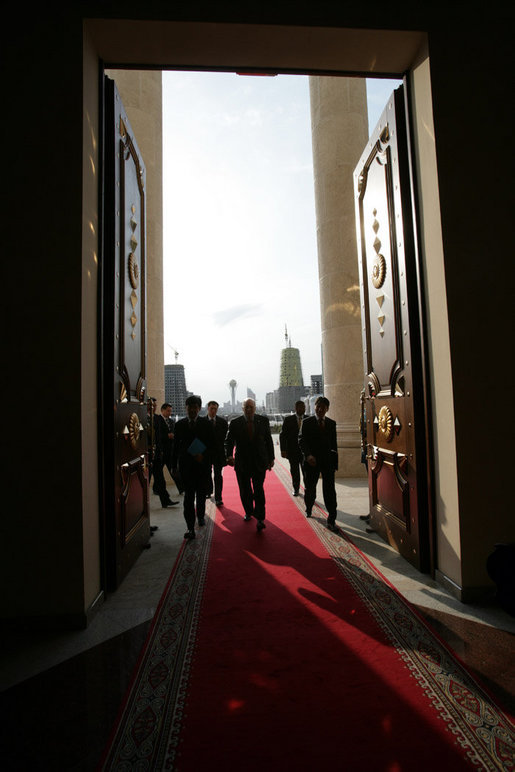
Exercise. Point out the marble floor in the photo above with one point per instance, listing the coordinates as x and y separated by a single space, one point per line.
60 691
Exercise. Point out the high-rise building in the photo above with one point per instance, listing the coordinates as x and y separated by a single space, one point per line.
271 402
291 368
291 384
317 384
251 394
175 388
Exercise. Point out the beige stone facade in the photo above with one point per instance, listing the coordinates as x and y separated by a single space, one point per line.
339 133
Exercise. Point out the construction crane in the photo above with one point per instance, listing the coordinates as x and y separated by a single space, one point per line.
176 353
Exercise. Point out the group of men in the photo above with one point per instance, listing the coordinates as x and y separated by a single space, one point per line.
196 448
310 446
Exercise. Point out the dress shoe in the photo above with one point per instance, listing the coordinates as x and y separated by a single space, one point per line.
170 504
332 526
308 513
295 493
366 518
247 518
201 521
260 525
189 535
219 503
153 528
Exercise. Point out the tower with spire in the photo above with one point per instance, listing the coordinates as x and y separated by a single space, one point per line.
291 383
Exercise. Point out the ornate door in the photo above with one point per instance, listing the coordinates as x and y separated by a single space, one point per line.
395 393
123 356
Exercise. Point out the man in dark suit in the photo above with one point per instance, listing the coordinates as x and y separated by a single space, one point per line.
289 443
163 435
317 441
250 435
193 451
219 426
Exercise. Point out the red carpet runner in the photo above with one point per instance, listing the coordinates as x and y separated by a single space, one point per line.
286 650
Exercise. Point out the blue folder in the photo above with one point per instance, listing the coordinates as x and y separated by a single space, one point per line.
196 447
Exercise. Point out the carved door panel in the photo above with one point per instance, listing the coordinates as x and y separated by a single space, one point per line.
392 342
126 515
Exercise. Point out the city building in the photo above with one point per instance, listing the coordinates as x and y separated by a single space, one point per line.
291 384
271 402
175 387
317 384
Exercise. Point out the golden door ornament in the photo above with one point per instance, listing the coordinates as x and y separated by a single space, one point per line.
379 271
386 422
133 271
134 429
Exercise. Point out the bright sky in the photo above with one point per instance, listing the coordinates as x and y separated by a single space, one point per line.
240 252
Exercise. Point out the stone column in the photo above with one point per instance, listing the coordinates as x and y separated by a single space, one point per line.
141 93
339 125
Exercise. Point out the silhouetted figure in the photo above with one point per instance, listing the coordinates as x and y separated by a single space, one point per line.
163 453
193 451
250 435
289 444
317 441
219 426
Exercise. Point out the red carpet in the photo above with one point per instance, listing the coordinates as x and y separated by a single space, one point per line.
287 650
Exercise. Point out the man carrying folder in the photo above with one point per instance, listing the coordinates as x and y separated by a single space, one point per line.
193 451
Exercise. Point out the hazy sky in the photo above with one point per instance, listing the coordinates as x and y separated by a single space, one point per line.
240 253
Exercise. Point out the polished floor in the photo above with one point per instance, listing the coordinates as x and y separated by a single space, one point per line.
61 691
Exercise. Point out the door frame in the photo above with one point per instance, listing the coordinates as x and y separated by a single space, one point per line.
403 172
110 572
121 44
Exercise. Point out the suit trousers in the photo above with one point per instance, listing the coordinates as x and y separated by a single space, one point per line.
194 482
295 467
215 472
159 479
311 477
252 492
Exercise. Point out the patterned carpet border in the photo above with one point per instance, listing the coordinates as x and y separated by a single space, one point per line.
148 727
147 732
485 732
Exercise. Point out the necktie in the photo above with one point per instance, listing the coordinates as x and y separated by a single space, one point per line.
250 428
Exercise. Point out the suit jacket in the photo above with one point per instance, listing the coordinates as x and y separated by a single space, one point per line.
220 431
289 437
182 459
254 454
321 444
164 445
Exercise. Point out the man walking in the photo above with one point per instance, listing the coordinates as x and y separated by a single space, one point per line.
289 443
317 441
219 426
163 433
250 435
193 450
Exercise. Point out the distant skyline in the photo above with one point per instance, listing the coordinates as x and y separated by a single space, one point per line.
240 251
